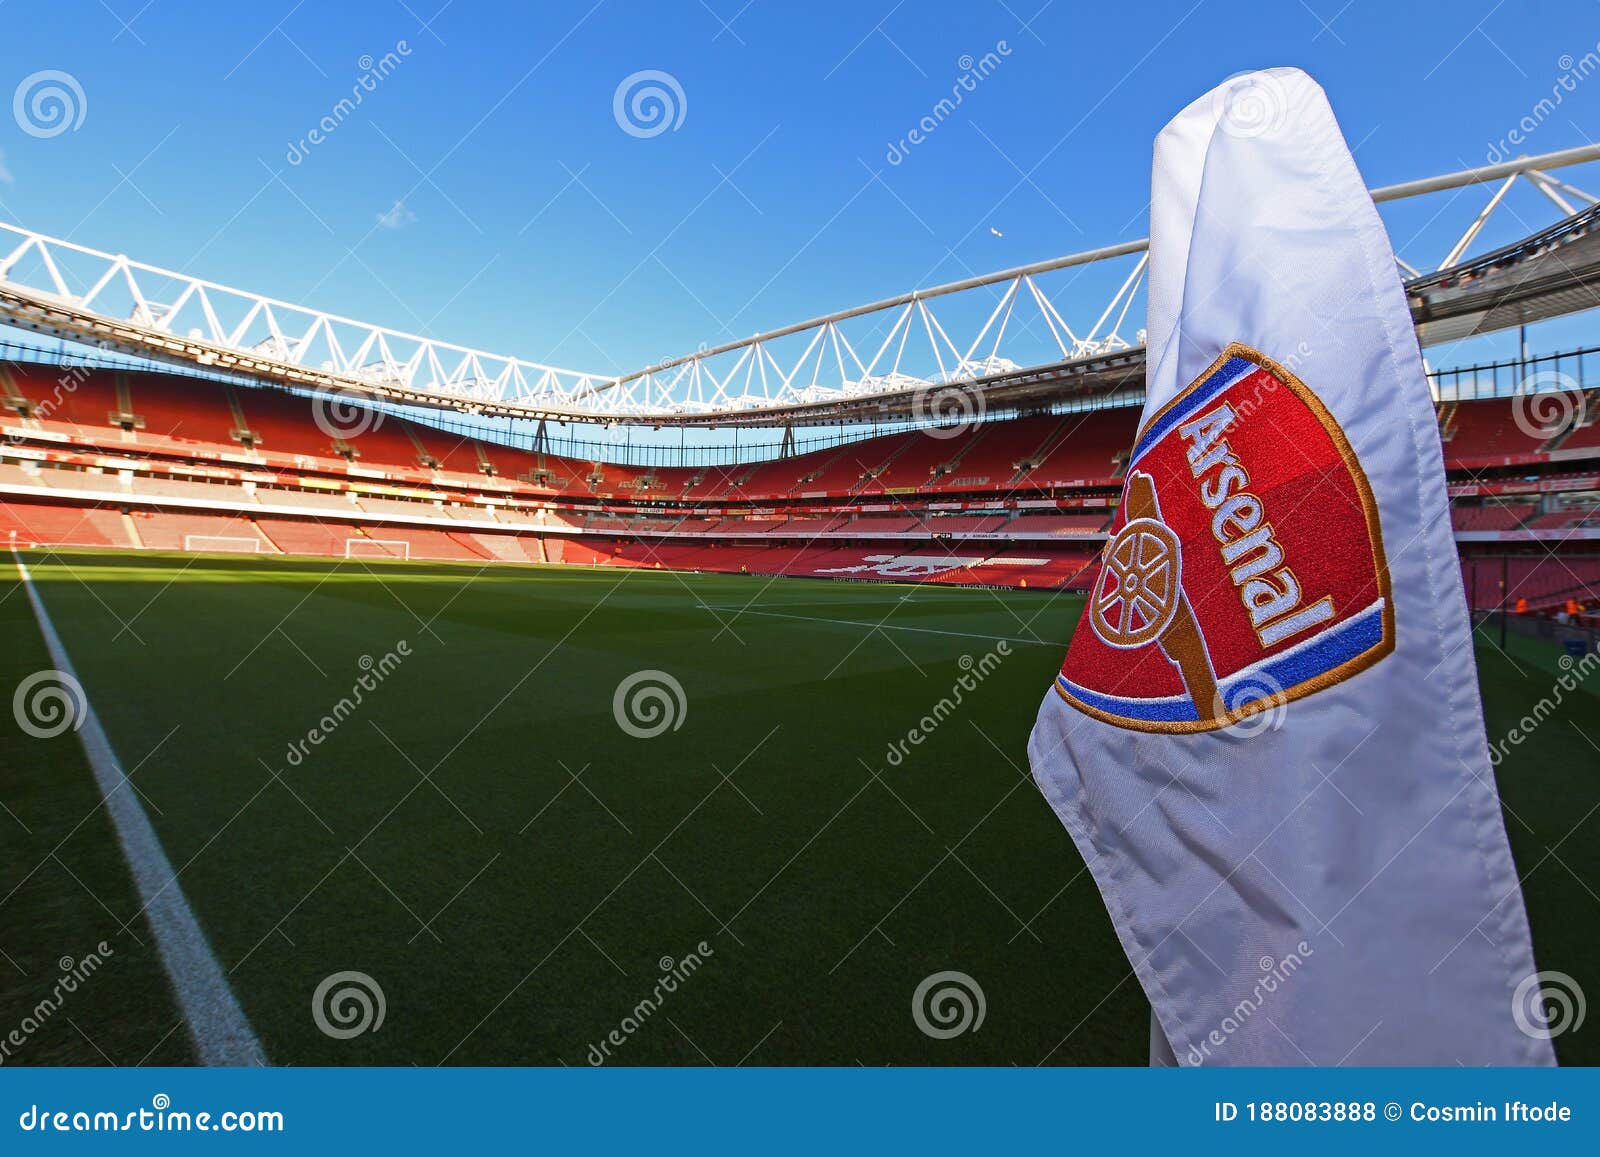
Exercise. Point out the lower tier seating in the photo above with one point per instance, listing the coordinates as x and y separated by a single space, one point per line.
25 522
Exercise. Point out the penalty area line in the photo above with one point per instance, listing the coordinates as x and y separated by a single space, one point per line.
221 1033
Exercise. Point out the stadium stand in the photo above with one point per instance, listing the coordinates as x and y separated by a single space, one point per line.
179 411
1478 431
60 400
1585 436
130 459
96 480
500 547
1545 581
1060 524
1573 519
1082 447
167 530
306 536
1495 517
37 523
12 474
284 423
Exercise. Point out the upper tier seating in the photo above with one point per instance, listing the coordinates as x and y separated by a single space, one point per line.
991 462
158 416
1585 517
181 410
1586 437
1493 517
1488 429
68 402
1085 449
286 423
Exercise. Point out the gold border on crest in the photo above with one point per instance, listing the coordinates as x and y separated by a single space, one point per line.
1369 507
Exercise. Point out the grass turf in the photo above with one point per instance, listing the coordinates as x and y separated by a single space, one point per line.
515 871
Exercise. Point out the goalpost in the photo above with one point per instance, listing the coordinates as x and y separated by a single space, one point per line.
221 543
376 548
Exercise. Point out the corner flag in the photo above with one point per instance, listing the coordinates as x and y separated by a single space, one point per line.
1266 739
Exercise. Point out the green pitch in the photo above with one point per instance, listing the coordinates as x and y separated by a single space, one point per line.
482 837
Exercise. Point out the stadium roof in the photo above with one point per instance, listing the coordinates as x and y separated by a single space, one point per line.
894 359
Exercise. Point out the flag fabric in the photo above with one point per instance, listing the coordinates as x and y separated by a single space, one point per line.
1266 739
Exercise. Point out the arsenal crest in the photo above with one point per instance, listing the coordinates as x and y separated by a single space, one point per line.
1245 566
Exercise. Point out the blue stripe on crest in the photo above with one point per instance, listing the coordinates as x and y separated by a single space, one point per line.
1203 393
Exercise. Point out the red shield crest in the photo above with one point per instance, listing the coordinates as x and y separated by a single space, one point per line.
1245 566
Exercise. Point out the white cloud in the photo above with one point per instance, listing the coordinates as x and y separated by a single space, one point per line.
396 216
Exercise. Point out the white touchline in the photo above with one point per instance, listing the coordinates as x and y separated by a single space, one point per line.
221 1033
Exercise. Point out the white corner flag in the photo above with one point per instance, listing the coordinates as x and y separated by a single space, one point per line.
1266 739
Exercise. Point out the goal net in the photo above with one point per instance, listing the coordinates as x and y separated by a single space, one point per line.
220 543
376 548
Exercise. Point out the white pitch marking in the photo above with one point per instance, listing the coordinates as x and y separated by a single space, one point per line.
221 1033
897 627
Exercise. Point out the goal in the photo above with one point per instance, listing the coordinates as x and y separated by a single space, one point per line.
376 548
221 543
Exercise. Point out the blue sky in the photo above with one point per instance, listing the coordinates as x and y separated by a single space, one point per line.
484 192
